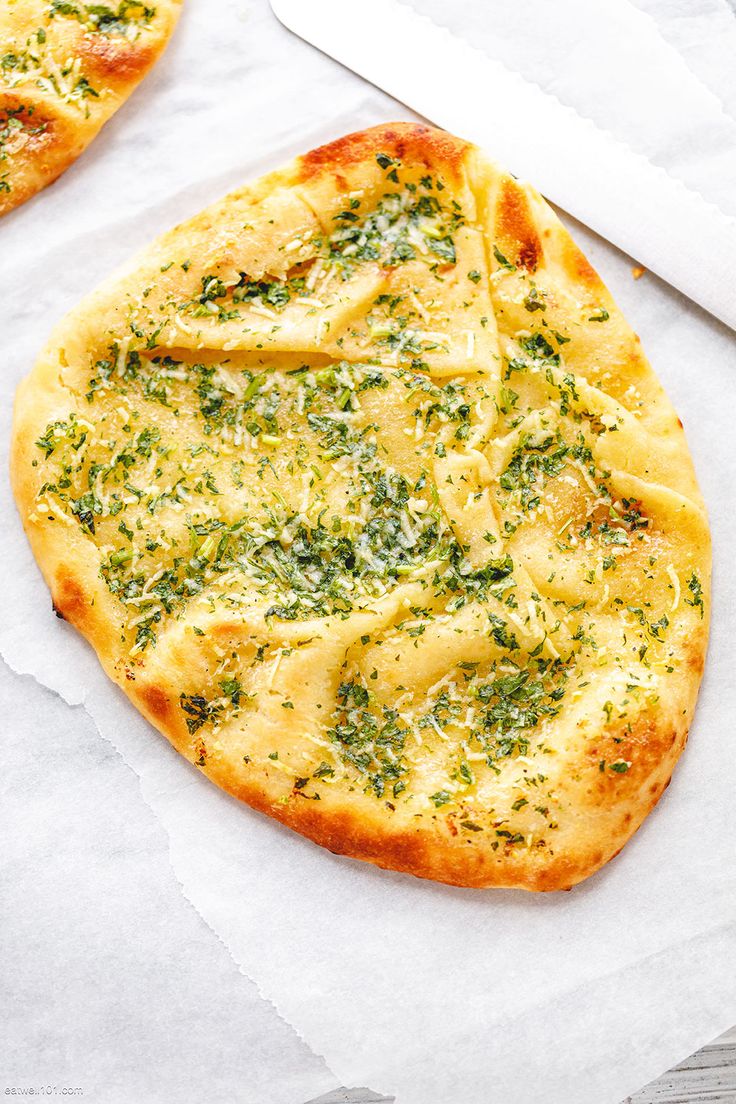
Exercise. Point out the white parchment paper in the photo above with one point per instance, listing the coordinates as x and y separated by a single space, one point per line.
433 994
112 982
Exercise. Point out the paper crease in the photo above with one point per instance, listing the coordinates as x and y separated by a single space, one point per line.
81 705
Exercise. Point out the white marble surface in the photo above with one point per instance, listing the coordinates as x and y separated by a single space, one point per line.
708 1077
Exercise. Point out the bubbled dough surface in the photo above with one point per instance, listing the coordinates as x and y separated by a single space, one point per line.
566 798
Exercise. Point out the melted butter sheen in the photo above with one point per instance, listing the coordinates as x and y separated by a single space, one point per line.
368 492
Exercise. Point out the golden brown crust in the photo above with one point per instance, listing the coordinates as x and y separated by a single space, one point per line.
419 145
64 70
526 709
515 227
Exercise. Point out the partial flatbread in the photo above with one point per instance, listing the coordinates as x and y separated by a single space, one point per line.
65 67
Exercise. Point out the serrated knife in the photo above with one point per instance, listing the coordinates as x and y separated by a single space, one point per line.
653 217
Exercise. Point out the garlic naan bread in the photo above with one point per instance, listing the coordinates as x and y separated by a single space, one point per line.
65 67
363 491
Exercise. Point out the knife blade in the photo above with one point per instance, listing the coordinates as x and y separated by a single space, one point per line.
652 216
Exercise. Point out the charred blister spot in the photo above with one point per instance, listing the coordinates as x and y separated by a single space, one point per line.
528 255
422 145
696 659
155 701
582 272
29 127
36 146
515 227
70 602
113 59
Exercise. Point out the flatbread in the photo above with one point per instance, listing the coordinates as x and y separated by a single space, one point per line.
65 67
363 491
